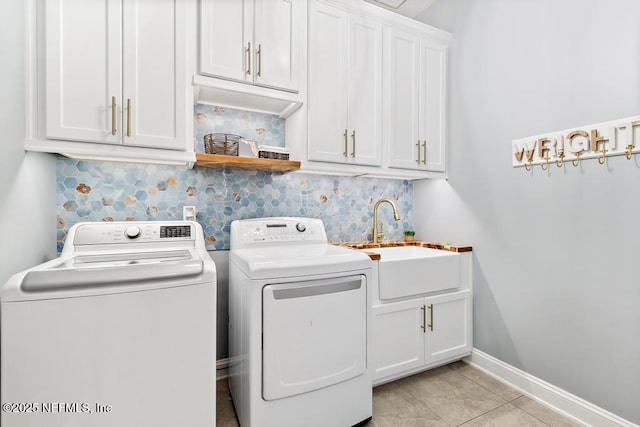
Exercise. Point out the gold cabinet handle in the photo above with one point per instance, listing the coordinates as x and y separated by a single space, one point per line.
418 145
424 147
249 59
113 115
346 143
259 53
424 319
353 137
430 317
129 117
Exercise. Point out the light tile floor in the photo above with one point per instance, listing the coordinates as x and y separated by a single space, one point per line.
452 395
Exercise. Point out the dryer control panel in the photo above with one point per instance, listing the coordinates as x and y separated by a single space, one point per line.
250 232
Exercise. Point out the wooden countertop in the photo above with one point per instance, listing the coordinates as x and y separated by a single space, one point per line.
375 256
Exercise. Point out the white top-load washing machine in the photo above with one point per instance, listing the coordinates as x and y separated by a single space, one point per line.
117 331
299 321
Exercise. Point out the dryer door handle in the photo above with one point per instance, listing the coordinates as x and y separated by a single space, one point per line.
314 288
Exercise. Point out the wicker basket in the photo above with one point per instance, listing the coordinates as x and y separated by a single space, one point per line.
221 143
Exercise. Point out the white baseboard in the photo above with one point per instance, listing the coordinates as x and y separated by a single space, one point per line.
222 369
549 395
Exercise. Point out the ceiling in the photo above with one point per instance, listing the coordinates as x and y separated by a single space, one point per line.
410 8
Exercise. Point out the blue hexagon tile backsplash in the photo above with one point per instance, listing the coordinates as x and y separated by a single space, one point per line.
263 129
104 191
101 191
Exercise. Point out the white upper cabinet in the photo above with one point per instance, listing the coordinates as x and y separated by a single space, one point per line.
345 87
116 73
226 30
154 90
402 91
83 70
252 41
415 88
433 105
376 94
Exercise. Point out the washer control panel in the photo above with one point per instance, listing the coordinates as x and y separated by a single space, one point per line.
96 233
277 230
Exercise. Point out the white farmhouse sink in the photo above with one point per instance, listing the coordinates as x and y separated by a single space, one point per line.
413 270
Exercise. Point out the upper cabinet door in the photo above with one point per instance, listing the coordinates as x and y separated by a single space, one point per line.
226 34
116 72
403 95
345 87
252 41
365 91
327 107
83 70
277 43
155 75
415 87
433 105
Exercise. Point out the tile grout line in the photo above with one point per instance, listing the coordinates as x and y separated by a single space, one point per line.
491 391
506 401
533 415
424 404
481 415
485 388
498 407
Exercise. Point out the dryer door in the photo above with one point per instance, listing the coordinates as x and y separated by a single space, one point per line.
314 334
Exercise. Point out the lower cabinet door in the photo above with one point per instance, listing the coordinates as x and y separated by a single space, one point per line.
449 331
398 338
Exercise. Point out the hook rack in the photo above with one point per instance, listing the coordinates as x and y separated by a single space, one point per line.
598 141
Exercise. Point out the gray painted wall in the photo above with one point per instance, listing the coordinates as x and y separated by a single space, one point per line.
555 253
27 181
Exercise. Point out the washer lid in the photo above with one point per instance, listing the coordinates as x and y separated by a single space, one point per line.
106 272
276 261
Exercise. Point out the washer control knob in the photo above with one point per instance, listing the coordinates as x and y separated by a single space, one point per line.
133 232
301 227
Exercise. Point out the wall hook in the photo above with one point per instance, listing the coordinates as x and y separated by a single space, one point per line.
575 162
560 160
545 166
601 159
527 165
628 150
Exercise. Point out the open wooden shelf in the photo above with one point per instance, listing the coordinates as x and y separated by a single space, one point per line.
219 161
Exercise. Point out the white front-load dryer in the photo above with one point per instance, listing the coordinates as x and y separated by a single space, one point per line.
299 326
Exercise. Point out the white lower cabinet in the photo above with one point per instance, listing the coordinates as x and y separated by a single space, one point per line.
413 335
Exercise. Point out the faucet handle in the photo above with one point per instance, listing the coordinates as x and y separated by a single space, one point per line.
380 232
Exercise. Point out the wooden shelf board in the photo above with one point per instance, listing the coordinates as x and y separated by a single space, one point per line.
219 161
